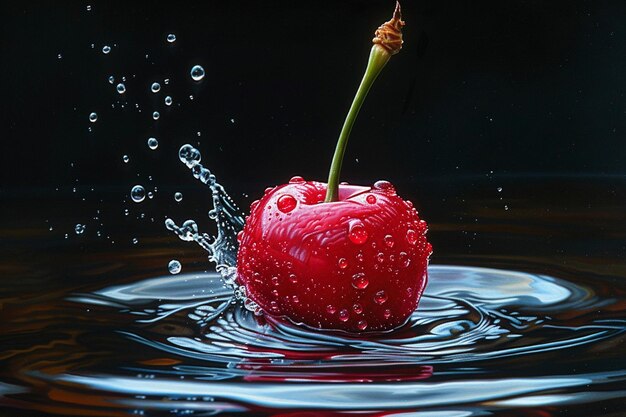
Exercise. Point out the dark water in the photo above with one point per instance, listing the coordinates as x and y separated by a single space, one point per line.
523 316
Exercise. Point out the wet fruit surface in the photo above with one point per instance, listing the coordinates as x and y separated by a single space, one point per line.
357 264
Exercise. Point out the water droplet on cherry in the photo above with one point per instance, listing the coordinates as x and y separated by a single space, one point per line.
359 281
362 325
411 236
293 278
404 260
380 297
331 309
275 281
371 198
389 241
344 315
356 232
296 180
342 263
357 308
286 203
387 313
385 186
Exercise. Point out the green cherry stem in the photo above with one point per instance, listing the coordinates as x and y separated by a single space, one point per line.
387 42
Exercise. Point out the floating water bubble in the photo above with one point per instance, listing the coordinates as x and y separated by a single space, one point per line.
171 38
106 49
138 193
153 143
189 155
156 115
178 196
168 101
197 73
174 267
121 88
79 228
125 158
93 116
155 87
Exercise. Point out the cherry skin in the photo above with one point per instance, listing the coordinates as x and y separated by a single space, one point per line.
358 264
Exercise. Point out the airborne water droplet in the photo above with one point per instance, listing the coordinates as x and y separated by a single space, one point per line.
106 49
125 158
93 116
121 88
156 115
189 155
153 143
197 73
174 267
168 101
357 232
138 193
178 196
171 38
155 87
79 228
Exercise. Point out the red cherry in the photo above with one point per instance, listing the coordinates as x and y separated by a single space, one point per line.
352 264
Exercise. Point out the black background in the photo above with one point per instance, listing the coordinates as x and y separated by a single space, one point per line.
513 87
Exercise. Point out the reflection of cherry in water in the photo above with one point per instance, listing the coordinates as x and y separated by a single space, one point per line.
265 370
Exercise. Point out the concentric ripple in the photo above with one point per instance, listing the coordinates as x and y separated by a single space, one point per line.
467 317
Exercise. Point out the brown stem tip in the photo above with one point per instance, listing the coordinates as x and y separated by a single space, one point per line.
389 34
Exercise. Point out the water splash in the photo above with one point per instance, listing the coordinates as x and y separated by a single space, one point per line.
228 217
